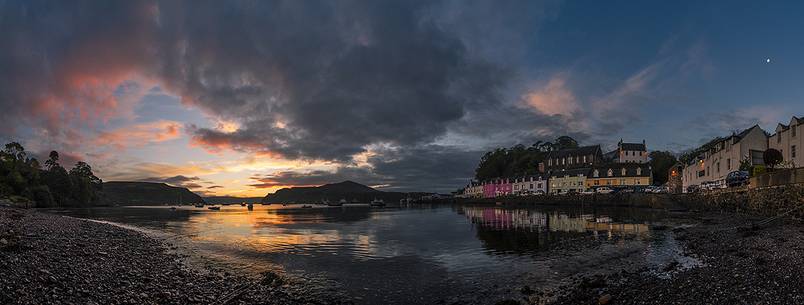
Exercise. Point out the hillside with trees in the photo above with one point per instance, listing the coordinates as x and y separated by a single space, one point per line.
349 190
23 179
146 193
519 160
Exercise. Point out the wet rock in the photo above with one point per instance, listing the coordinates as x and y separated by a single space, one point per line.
526 290
604 299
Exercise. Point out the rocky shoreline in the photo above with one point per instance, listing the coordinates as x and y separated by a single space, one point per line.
747 260
50 259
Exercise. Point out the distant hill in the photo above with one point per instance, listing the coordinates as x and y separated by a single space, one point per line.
145 193
349 190
230 199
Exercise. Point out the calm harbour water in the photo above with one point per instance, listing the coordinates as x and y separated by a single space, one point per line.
419 254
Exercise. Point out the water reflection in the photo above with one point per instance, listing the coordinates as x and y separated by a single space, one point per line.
394 255
527 231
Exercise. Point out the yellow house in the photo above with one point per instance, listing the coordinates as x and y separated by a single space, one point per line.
620 175
568 180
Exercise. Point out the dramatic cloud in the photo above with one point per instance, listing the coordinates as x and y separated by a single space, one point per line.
430 167
140 134
553 99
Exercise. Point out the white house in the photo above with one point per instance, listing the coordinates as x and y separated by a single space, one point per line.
530 185
724 156
789 140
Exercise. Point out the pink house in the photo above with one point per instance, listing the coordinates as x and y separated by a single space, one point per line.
500 187
489 189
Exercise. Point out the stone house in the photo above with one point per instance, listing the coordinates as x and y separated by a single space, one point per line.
724 156
789 140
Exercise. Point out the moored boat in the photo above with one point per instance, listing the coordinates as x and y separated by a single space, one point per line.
307 206
214 208
377 203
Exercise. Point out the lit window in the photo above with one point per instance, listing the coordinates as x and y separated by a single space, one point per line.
622 172
639 171
610 173
596 174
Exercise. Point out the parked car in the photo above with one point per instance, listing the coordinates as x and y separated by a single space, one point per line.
588 192
539 192
737 178
693 189
604 190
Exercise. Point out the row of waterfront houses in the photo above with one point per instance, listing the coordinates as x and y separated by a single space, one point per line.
574 170
725 155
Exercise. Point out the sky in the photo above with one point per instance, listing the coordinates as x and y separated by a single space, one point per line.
242 98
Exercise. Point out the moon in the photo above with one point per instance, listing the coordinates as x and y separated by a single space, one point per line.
767 60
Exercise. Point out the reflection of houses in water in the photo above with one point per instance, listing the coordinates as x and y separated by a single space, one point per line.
507 219
521 219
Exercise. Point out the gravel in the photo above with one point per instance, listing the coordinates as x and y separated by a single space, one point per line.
746 261
51 259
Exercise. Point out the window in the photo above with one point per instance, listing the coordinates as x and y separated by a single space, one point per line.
596 174
792 151
622 172
584 159
610 173
778 138
640 153
793 130
549 162
563 161
718 166
728 164
639 171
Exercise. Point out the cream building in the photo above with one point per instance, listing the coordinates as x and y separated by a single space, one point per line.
724 157
789 140
529 185
568 180
473 190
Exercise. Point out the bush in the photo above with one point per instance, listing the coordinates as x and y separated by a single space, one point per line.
758 170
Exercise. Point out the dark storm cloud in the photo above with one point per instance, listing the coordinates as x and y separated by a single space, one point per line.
305 79
339 75
429 168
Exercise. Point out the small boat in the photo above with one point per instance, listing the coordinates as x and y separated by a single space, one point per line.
225 203
173 208
307 206
342 202
243 204
284 204
326 202
250 206
199 205
265 203
377 203
214 208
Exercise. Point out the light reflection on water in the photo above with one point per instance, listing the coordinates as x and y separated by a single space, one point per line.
403 255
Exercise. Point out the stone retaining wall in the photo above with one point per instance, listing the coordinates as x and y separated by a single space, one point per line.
768 201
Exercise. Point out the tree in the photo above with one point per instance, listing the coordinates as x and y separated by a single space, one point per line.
772 158
518 160
660 163
15 151
565 142
53 160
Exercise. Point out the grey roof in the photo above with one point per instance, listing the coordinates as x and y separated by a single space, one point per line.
616 169
580 151
633 146
586 171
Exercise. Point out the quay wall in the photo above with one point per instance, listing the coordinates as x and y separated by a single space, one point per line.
767 201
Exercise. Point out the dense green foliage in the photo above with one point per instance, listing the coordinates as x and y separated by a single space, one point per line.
772 158
519 160
22 176
660 163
